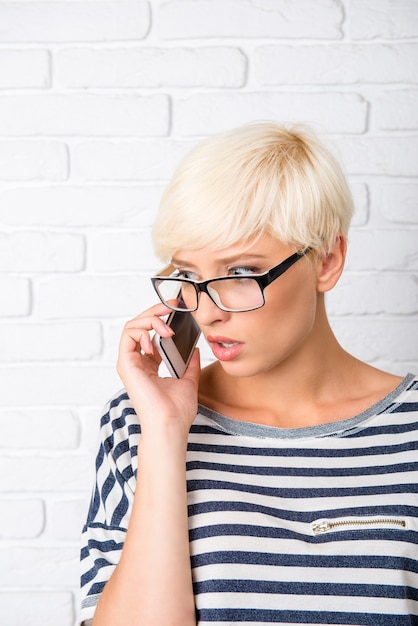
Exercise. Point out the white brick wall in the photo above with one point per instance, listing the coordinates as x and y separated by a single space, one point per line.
98 102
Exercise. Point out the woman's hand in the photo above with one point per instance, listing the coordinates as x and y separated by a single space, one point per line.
156 553
156 400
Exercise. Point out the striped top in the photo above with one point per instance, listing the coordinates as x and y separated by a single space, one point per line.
314 525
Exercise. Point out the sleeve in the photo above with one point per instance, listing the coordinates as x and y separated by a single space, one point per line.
104 533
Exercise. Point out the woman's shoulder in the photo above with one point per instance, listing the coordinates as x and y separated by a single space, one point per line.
119 419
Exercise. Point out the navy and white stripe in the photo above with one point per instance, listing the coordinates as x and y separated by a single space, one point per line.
256 497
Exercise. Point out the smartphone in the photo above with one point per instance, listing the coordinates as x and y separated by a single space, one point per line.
176 351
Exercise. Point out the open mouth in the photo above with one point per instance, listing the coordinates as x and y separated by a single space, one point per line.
225 349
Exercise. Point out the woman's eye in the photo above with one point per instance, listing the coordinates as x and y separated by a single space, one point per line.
185 274
242 271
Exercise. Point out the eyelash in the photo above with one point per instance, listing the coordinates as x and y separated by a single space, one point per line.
243 270
184 274
239 270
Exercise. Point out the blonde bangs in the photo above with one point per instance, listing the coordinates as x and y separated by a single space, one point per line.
261 178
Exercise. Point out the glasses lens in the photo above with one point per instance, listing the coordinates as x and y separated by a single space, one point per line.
237 294
177 294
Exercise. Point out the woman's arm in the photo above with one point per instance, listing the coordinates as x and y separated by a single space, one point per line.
152 584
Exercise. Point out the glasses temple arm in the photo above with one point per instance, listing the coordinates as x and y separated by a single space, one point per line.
166 271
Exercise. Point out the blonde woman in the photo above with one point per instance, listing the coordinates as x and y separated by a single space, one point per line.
278 484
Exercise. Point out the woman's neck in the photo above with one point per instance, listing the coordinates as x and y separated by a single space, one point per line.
321 384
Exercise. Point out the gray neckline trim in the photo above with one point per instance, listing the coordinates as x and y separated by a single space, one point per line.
249 429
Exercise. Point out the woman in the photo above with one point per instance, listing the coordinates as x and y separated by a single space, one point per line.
276 485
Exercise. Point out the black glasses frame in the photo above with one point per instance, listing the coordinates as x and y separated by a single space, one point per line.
201 286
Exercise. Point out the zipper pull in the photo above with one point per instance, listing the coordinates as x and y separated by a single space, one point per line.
321 527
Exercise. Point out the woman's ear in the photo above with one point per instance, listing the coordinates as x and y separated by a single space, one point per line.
331 265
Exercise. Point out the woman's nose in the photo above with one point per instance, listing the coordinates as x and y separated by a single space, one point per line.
208 312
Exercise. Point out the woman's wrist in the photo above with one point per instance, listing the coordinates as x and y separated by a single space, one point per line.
168 437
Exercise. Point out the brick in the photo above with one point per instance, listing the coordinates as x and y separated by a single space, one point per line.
380 249
45 473
397 110
39 608
92 206
203 114
121 251
21 519
380 155
337 64
122 161
94 296
52 386
39 429
90 426
113 333
16 296
73 21
33 160
370 339
399 369
372 294
218 66
383 18
360 195
38 567
41 252
182 19
66 517
84 114
397 201
60 341
24 68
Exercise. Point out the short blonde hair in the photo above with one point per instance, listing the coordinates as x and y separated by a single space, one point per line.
260 178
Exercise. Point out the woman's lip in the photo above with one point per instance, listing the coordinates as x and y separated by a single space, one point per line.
224 348
212 339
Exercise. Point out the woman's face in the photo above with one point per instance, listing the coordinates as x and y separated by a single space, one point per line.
253 342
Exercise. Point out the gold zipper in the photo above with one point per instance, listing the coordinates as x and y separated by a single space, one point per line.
324 526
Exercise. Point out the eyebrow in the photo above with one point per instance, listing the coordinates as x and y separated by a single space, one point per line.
245 256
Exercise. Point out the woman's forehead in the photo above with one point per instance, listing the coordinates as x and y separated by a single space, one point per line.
256 247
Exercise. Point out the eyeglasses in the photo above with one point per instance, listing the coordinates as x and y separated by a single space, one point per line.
235 294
